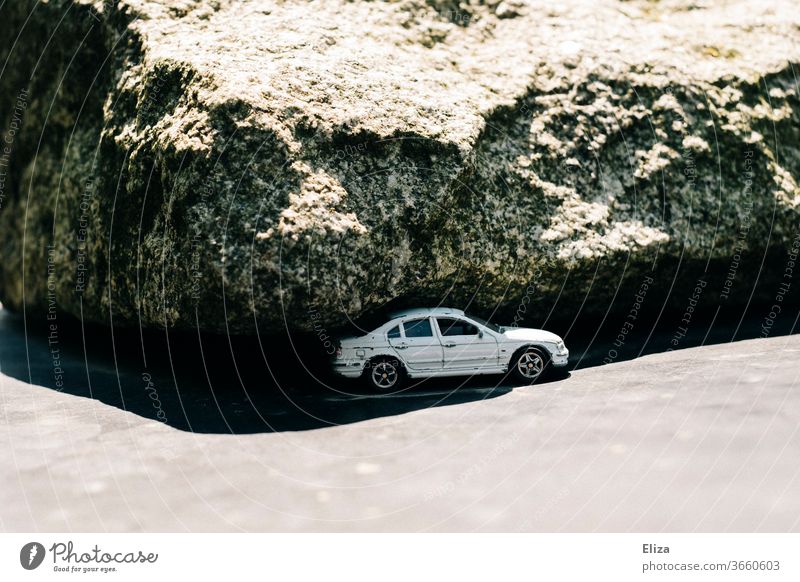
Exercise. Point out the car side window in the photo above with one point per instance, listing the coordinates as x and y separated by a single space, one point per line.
394 333
418 328
451 327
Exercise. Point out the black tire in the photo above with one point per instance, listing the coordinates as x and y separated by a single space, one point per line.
528 365
384 375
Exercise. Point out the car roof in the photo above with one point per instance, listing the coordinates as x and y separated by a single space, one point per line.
425 312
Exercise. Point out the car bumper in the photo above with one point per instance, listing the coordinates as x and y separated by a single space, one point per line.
348 369
560 359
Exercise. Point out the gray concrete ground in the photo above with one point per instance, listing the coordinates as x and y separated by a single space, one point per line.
702 439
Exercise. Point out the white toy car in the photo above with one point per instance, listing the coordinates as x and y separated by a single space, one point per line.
419 343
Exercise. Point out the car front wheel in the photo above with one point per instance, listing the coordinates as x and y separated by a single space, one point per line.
528 365
384 375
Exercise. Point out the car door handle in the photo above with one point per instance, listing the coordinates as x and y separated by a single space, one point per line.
449 345
401 346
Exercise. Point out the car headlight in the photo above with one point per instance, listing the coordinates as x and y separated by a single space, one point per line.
560 346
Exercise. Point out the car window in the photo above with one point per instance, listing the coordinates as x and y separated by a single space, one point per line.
450 327
394 332
490 325
418 328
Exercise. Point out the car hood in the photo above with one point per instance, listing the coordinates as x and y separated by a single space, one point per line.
527 334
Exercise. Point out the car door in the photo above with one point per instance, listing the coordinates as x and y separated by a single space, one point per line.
418 346
465 345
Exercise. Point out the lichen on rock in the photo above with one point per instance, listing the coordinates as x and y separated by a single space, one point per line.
232 164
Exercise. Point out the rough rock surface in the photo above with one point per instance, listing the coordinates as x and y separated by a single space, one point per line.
229 164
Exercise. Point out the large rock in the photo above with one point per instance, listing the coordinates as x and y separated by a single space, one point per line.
229 164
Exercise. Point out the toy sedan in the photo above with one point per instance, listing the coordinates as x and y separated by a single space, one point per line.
419 343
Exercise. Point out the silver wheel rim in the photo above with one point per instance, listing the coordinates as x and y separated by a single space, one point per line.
384 375
530 365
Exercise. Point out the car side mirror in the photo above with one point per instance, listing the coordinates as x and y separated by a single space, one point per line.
480 334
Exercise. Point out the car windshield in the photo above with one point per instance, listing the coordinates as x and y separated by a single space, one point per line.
493 326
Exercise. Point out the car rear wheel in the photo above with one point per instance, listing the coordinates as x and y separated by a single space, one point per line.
384 375
528 365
